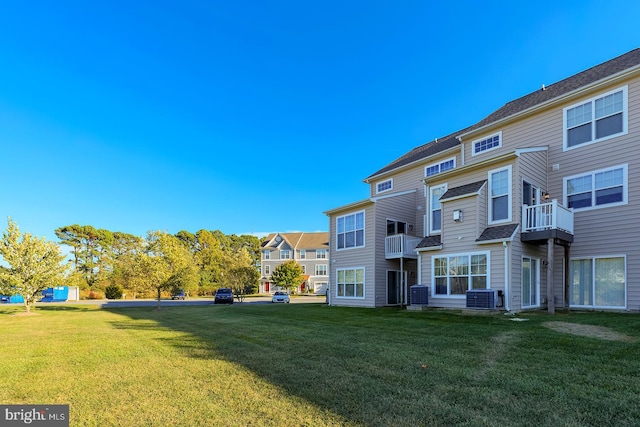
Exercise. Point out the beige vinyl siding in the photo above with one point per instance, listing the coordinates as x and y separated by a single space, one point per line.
397 208
354 258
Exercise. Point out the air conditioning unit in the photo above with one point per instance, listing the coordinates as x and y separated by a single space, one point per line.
419 295
482 299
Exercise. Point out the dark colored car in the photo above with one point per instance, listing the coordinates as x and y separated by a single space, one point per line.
223 296
178 294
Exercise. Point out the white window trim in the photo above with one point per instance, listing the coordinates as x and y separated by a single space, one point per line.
439 164
429 210
302 254
626 283
469 254
509 197
319 251
364 284
364 231
266 254
473 144
625 116
325 270
378 191
285 250
267 270
625 188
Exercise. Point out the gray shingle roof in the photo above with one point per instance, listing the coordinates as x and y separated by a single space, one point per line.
463 190
429 242
499 232
592 75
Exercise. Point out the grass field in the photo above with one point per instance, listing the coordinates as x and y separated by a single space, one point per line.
314 365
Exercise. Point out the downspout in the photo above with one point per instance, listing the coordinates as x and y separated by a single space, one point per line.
506 276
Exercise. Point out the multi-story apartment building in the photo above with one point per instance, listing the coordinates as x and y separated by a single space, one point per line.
537 205
310 250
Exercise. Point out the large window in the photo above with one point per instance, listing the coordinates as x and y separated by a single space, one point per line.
321 269
285 254
350 231
601 188
456 274
486 144
267 254
303 254
435 208
350 283
440 167
321 253
500 195
530 282
598 282
596 119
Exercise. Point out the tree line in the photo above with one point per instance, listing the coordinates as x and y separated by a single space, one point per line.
110 263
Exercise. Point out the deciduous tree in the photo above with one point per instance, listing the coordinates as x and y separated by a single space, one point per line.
34 264
287 275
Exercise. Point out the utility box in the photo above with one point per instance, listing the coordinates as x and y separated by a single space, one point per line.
419 295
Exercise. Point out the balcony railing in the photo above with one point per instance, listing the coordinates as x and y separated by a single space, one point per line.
547 216
400 246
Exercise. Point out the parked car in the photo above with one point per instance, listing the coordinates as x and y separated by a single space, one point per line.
178 294
223 296
280 297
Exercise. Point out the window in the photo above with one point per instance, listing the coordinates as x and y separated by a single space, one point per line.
601 188
267 254
267 270
486 144
384 186
285 254
321 253
456 274
598 282
303 254
304 269
350 283
437 168
321 269
596 119
500 195
350 231
396 227
435 209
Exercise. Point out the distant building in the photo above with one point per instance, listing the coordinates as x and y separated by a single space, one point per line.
310 250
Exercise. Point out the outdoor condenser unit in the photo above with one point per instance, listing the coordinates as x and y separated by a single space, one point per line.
419 295
482 298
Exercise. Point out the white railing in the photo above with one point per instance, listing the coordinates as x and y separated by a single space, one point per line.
547 216
401 246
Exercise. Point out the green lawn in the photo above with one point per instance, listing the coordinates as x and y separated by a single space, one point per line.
314 365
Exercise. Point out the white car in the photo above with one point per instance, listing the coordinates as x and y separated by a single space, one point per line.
280 297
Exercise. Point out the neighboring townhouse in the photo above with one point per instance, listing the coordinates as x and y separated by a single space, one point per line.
310 250
537 205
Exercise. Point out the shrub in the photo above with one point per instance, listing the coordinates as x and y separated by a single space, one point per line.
113 292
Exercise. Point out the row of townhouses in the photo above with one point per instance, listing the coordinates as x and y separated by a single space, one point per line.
537 205
310 250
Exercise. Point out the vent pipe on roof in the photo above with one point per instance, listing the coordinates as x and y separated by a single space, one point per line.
543 88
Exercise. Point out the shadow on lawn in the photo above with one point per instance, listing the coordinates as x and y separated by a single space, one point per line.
281 345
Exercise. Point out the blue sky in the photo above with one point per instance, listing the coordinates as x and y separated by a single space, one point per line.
254 117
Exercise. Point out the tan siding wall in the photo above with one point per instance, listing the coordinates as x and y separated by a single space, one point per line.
399 208
354 258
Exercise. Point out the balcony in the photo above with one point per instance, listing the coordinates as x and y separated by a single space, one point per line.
401 246
547 220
